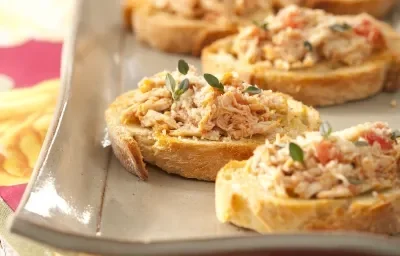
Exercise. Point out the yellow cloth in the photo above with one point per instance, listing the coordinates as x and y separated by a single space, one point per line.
25 115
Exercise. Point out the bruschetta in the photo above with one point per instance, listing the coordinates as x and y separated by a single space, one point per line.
192 125
318 58
377 8
178 26
341 181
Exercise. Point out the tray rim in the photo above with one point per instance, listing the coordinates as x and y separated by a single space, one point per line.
352 242
92 244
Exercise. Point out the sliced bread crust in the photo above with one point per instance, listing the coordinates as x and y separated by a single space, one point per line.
134 145
319 86
174 34
241 200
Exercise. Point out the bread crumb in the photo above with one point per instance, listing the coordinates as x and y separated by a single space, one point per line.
375 194
393 103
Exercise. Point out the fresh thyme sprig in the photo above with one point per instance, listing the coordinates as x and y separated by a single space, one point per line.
325 129
214 82
296 152
395 135
183 86
263 25
252 90
308 46
183 67
340 27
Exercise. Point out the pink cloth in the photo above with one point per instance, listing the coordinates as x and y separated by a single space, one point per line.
12 195
28 64
31 63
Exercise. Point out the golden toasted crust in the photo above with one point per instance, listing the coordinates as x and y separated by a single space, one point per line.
320 86
377 8
125 148
190 158
128 10
171 33
241 200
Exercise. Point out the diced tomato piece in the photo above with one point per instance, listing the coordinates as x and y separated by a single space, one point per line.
327 152
363 29
370 32
372 137
292 20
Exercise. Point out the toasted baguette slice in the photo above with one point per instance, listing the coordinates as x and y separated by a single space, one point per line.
174 34
250 207
377 8
332 189
320 86
190 158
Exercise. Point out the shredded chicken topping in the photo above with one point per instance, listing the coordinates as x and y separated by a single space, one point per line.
211 9
203 111
300 38
360 159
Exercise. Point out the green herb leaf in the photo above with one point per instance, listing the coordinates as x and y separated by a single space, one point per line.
170 83
183 67
395 135
308 46
182 88
361 143
355 181
214 82
340 27
325 129
262 25
252 90
296 152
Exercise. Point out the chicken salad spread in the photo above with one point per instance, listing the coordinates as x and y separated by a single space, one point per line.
325 165
298 38
184 104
